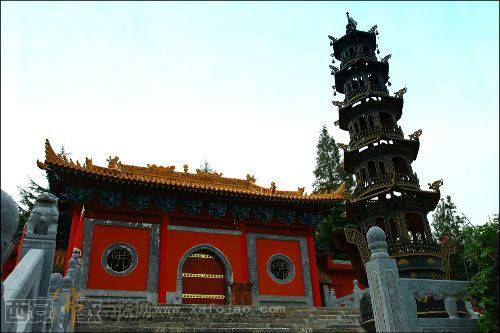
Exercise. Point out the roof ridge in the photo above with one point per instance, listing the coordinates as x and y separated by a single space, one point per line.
167 175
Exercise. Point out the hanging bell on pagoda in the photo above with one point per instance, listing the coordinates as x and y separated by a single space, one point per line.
334 93
389 83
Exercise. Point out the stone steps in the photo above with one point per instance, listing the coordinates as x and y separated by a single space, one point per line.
196 318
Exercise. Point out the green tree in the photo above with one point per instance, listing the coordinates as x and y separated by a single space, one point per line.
329 171
330 174
448 225
481 250
205 167
446 222
334 223
28 195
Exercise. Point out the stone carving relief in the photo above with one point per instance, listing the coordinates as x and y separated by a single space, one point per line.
355 237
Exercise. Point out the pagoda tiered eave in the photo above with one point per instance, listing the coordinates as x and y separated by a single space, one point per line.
360 67
353 110
345 41
408 148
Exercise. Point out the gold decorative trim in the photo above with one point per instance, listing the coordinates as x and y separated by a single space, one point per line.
416 254
203 296
355 237
201 255
59 259
447 248
205 276
403 262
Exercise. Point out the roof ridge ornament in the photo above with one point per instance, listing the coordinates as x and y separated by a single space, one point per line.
88 163
114 163
300 190
400 92
386 58
415 135
251 178
435 185
351 24
332 40
338 103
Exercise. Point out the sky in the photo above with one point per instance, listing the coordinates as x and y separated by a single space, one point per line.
245 86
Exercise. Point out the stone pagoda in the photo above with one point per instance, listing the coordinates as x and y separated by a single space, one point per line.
387 192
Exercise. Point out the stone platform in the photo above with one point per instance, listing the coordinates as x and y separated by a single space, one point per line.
116 317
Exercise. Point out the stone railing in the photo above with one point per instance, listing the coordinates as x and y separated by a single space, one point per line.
393 299
27 302
348 59
372 133
348 301
354 96
389 179
414 246
64 296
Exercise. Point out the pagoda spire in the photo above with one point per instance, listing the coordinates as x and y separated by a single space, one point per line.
351 24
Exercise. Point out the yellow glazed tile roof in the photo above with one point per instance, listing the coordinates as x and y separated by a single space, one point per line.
168 176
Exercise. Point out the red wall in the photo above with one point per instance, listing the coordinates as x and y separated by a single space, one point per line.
10 264
102 237
341 274
179 242
265 248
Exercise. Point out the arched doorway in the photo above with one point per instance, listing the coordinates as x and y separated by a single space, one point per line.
203 279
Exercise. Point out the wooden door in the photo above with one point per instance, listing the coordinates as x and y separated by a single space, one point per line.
203 280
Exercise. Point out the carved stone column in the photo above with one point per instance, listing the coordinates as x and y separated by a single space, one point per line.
383 280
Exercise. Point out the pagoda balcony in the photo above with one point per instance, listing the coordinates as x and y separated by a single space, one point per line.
368 135
386 180
348 59
360 93
414 246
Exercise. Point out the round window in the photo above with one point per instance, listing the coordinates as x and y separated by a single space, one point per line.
280 268
119 259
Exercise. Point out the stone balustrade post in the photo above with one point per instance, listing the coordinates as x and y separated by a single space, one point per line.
41 230
383 279
470 310
77 265
356 292
55 289
69 303
334 300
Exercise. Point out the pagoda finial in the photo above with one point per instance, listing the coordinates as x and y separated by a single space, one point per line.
351 24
